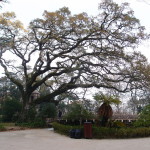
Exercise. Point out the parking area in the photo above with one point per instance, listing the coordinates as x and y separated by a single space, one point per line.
45 139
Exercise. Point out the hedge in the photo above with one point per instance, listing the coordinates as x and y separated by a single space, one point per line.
104 132
64 129
2 128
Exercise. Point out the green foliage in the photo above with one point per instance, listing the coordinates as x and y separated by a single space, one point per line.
2 128
7 124
117 124
10 109
105 98
104 132
64 129
36 123
6 86
31 114
144 118
48 110
78 112
33 119
1 118
132 132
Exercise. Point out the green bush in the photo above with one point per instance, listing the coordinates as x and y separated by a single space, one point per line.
78 112
133 132
120 132
31 114
1 119
104 132
64 129
2 128
144 118
48 110
36 123
117 124
10 108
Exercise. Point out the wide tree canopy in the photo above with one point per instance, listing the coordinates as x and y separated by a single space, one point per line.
66 52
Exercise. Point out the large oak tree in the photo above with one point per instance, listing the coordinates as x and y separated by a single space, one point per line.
66 52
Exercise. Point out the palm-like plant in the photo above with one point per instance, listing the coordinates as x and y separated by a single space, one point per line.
105 111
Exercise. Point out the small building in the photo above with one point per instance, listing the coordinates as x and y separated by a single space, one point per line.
125 118
35 94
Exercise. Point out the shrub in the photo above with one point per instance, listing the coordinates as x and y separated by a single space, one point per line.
1 119
31 114
2 128
64 129
104 132
144 118
133 132
48 110
36 123
117 124
10 108
78 112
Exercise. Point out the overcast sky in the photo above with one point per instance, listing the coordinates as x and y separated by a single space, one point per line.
26 10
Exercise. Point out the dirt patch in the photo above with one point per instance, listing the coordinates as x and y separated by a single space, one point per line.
14 128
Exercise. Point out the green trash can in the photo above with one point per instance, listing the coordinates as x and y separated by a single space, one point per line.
88 130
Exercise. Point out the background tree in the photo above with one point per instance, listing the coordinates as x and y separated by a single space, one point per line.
67 51
137 102
65 99
139 97
144 118
11 109
77 112
48 111
8 91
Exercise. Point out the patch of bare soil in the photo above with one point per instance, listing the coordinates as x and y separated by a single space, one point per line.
15 128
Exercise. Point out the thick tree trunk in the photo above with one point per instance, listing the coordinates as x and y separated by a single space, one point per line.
25 108
105 112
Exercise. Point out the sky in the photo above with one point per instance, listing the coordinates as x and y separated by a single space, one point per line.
27 10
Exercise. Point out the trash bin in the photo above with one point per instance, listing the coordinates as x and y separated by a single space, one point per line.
75 133
72 133
78 134
88 130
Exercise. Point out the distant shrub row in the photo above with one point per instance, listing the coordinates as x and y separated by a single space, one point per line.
64 129
37 123
104 132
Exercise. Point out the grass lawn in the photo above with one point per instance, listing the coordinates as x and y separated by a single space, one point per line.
10 127
7 124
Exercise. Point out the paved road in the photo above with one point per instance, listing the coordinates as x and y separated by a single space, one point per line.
43 139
